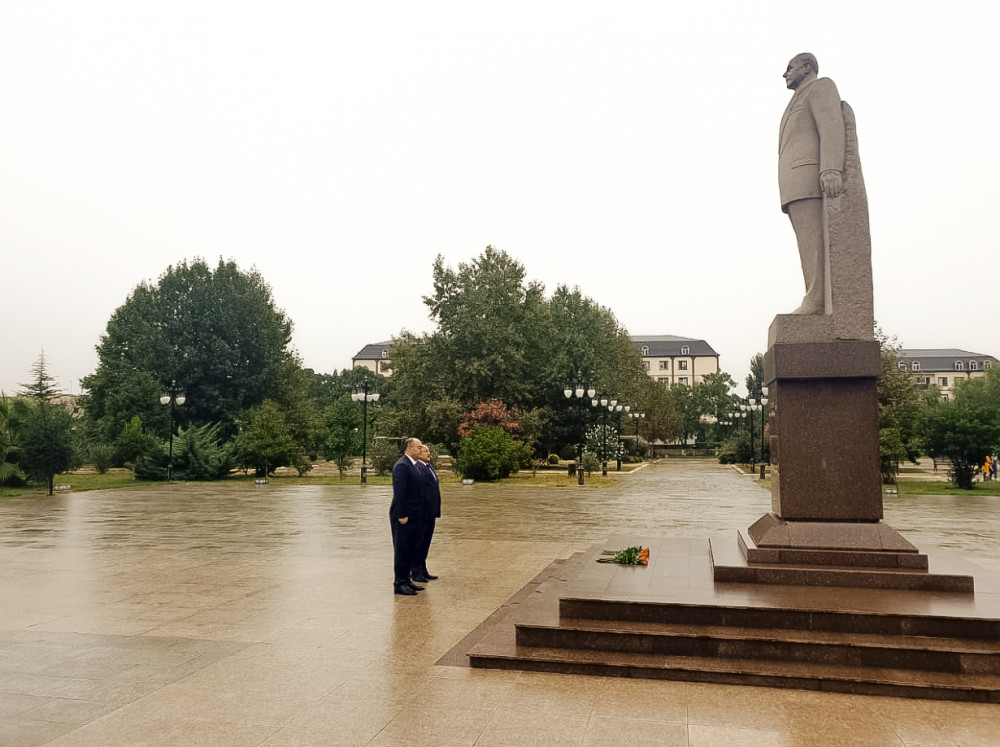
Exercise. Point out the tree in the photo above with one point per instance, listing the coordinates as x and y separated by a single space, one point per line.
216 332
46 442
343 433
492 413
10 443
42 387
900 409
265 439
498 336
755 378
965 429
602 441
46 428
711 401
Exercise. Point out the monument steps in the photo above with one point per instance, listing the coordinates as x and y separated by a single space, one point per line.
674 620
893 652
858 680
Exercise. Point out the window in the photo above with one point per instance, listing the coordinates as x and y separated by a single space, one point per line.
644 350
959 366
682 365
901 365
987 364
645 364
683 380
385 352
973 366
664 365
685 350
942 381
664 379
915 365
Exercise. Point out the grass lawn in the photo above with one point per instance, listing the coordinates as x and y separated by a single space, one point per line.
918 487
121 478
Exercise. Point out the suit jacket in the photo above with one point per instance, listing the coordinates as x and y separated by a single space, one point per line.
810 141
407 491
432 492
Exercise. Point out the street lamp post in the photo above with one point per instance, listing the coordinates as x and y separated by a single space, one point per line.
579 391
637 416
365 395
607 405
759 402
618 449
172 397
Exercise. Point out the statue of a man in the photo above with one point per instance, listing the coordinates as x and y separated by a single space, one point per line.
810 166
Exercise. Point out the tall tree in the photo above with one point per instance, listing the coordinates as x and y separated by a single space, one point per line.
498 336
965 429
42 387
215 332
46 427
755 379
900 410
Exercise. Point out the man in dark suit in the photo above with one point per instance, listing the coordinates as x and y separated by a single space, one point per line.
406 516
811 144
432 512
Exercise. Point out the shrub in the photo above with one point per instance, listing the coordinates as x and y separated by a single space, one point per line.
567 452
382 454
101 455
490 454
553 459
590 462
198 455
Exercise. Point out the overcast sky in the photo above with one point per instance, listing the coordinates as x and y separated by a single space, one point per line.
626 148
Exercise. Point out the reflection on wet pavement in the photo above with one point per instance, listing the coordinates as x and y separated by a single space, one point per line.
236 613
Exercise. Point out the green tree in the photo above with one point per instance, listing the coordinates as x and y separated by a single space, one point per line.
343 432
46 439
46 428
710 402
10 442
265 440
900 411
965 429
755 379
216 332
498 336
42 387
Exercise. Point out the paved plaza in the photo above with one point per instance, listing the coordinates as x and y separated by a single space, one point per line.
236 614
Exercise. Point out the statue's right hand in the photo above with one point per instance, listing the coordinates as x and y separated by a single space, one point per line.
831 183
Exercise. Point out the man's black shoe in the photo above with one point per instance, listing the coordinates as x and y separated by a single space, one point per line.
420 578
428 576
414 587
406 591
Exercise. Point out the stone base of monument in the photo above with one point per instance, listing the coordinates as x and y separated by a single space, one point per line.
866 555
674 620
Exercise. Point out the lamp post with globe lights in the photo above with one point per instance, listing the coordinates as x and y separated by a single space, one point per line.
364 395
173 396
580 392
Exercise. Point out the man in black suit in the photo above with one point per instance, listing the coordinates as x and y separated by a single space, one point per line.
432 512
406 516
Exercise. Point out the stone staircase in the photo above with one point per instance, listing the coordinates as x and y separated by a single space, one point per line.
670 620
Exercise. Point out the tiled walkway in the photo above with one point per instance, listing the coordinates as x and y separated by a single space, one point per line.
260 615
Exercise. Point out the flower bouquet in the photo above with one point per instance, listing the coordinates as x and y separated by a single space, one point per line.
629 556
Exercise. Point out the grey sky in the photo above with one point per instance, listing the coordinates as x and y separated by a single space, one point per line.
626 148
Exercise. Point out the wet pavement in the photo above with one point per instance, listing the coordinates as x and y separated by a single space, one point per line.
243 614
